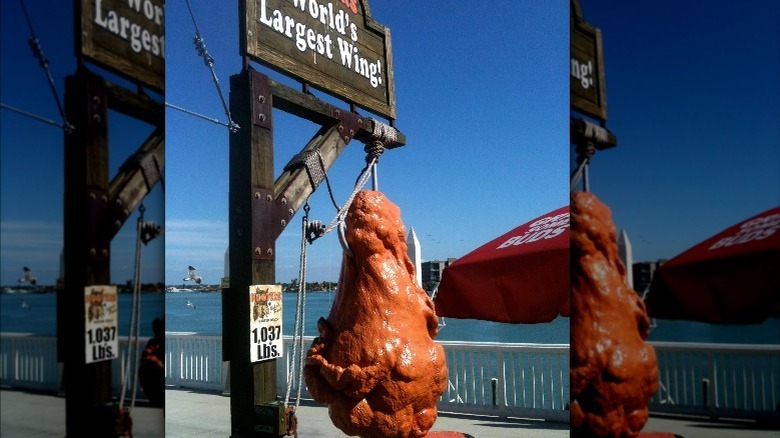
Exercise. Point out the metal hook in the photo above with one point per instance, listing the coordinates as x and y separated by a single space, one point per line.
343 239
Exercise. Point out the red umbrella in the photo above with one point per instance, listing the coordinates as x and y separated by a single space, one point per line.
730 278
520 277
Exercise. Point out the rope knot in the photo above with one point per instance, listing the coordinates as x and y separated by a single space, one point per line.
381 136
374 149
585 151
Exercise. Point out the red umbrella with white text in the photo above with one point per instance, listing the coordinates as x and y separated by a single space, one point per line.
519 277
730 278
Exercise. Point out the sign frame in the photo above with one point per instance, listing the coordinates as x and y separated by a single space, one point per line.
114 49
101 327
590 100
265 322
322 64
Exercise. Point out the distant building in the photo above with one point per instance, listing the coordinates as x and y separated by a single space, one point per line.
414 251
643 275
432 272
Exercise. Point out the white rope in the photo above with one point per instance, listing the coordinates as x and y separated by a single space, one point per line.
135 312
300 318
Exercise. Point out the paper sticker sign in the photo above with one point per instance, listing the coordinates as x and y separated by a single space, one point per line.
127 36
265 322
100 310
334 45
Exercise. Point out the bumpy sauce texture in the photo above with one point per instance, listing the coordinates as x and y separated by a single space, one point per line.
613 371
375 362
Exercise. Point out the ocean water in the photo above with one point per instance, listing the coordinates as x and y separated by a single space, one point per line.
206 318
40 318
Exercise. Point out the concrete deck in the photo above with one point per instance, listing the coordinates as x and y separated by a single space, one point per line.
197 414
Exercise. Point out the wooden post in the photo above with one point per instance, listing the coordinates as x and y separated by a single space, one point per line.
87 254
251 183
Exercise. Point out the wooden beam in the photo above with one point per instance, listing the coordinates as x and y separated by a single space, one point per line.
135 179
135 105
87 253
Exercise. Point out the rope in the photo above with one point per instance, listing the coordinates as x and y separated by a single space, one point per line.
208 60
300 319
135 318
35 46
585 152
32 116
193 113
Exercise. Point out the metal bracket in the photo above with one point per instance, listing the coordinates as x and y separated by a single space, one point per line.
260 94
349 122
269 218
98 244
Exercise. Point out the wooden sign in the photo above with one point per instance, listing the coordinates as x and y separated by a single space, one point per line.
126 36
102 339
588 93
265 322
334 45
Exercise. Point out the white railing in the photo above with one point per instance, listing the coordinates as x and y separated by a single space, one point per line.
484 378
719 380
30 362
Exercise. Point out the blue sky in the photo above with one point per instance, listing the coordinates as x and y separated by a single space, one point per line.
482 97
31 156
694 99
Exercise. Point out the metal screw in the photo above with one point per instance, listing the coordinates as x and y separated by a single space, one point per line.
261 117
351 132
269 251
118 224
92 197
360 121
118 201
258 251
127 213
291 212
96 118
284 201
341 128
284 223
104 198
261 99
96 100
104 252
346 139
269 198
92 251
257 195
338 113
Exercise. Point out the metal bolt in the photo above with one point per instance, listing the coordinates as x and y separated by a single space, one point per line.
360 121
284 223
104 252
261 117
269 251
261 99
351 132
92 251
104 198
96 100
284 201
257 195
96 118
269 198
291 212
338 113
118 224
258 251
346 139
127 213
92 197
341 128
118 201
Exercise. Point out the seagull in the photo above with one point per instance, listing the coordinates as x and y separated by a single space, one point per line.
189 303
25 305
27 277
192 275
